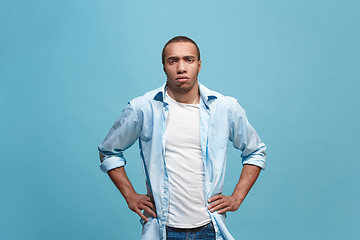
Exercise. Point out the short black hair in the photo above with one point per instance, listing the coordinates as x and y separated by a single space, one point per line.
180 39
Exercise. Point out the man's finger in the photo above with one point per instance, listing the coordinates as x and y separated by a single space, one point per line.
218 207
213 204
216 197
149 210
224 210
151 201
141 215
150 204
216 202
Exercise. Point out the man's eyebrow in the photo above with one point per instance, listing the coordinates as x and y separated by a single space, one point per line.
172 58
186 57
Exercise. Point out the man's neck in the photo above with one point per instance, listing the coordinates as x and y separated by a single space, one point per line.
190 97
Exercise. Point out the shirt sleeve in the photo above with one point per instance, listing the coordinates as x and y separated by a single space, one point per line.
122 135
245 138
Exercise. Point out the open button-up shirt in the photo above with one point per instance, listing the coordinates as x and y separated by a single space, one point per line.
222 119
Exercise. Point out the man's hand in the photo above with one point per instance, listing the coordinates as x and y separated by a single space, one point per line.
138 202
222 203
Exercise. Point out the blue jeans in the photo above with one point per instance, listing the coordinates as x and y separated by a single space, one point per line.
206 232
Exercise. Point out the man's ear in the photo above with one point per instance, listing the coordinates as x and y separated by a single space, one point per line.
164 69
199 66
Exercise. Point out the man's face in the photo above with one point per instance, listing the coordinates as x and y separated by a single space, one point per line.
181 66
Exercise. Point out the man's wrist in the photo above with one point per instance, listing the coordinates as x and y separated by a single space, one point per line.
238 198
129 196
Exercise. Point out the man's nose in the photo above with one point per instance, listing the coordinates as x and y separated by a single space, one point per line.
181 68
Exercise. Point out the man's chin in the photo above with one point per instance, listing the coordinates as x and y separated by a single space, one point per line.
183 88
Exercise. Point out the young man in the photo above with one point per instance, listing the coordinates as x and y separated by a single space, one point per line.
183 130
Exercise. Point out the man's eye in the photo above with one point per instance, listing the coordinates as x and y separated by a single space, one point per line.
190 60
172 61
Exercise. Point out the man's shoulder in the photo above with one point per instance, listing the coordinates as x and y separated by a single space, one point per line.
148 97
222 104
220 98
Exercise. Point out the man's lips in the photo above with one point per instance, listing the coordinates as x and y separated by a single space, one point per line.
182 78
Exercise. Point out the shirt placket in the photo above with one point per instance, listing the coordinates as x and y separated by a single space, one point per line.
205 116
165 196
204 128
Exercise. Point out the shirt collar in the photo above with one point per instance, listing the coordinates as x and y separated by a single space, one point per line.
206 95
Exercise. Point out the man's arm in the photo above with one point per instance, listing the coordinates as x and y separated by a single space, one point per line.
124 132
244 138
222 203
136 202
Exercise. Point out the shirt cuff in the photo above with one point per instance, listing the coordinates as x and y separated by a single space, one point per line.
256 162
111 163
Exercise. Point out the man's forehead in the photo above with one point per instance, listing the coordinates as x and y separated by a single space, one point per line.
180 49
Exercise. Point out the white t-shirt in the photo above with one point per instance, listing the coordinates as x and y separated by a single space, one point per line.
184 165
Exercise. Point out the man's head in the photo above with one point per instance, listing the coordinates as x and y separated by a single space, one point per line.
180 39
182 64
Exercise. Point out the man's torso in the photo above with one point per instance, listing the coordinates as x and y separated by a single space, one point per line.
184 165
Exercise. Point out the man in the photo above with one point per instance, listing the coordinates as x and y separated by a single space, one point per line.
183 130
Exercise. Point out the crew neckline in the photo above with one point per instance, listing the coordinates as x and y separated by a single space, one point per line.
185 104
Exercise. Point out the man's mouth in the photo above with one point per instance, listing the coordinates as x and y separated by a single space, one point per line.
182 78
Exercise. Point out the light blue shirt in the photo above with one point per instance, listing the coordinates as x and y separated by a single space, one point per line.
144 119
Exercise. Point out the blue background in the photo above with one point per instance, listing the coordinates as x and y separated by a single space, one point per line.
67 69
